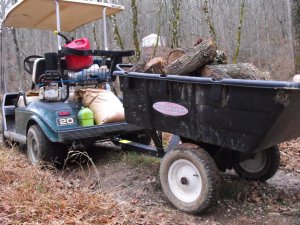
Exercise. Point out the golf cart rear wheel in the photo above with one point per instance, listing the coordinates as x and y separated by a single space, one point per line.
190 178
41 151
260 166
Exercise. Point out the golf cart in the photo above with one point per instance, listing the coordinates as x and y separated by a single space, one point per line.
48 121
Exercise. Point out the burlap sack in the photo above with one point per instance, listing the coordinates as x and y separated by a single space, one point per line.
88 95
107 108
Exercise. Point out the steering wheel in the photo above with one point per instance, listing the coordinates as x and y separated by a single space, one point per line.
28 63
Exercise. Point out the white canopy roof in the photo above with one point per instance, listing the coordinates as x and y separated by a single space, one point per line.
41 14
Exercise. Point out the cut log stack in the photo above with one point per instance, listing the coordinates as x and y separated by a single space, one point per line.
203 60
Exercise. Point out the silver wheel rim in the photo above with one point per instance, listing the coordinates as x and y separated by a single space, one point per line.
256 163
184 180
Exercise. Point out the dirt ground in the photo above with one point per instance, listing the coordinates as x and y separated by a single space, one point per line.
111 186
133 181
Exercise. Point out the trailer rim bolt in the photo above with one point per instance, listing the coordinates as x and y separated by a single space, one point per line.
184 181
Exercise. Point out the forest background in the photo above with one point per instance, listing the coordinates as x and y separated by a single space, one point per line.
263 32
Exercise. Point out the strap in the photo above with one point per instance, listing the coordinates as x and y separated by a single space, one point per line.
71 51
113 53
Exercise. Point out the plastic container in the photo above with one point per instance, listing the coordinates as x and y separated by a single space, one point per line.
76 62
85 117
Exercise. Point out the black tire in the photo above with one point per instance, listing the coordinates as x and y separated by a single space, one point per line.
182 191
41 151
259 166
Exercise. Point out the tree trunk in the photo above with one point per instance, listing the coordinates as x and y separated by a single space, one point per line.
236 71
176 6
18 59
135 29
159 24
196 58
117 36
295 4
239 32
209 21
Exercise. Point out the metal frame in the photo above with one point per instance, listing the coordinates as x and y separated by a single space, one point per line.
58 21
58 26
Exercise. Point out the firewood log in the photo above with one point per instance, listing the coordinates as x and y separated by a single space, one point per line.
175 54
140 65
155 65
235 71
194 59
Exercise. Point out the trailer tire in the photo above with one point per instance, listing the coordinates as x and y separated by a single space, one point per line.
190 179
260 166
41 151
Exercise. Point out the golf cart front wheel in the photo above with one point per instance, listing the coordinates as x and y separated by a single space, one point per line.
260 166
190 178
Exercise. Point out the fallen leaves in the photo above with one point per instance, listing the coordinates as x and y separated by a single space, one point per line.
290 155
28 195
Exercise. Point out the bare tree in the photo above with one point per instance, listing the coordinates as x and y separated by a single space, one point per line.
135 21
265 32
209 22
239 31
295 4
160 5
3 7
116 31
176 5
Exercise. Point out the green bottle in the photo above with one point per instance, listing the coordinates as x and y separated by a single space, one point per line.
85 117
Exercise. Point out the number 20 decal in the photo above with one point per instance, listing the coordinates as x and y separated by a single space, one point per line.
65 121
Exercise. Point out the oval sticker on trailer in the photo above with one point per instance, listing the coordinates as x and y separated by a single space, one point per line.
170 109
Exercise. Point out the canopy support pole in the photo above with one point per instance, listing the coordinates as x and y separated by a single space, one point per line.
58 24
105 29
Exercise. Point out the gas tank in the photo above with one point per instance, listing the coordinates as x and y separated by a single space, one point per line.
76 62
85 117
